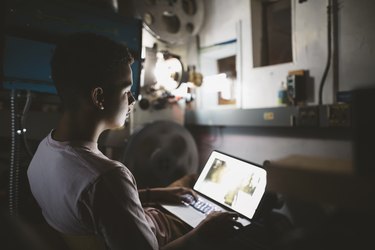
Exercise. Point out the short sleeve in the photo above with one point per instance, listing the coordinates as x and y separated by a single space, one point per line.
111 207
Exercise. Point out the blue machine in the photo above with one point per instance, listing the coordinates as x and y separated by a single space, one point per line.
26 65
34 26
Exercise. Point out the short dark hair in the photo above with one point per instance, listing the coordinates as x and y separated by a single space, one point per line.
82 61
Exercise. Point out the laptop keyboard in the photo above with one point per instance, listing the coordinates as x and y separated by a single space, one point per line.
200 204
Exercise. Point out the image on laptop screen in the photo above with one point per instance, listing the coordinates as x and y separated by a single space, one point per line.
234 183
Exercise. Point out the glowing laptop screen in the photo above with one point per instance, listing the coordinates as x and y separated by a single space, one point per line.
234 183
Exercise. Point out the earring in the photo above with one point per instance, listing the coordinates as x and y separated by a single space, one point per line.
100 105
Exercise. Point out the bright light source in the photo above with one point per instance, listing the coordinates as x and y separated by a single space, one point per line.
167 72
219 83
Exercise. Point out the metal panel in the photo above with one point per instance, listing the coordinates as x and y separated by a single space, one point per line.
263 117
27 65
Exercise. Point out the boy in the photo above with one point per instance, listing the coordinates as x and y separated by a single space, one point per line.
81 191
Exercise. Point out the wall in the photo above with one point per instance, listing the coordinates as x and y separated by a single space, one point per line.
357 44
356 48
356 26
260 144
260 85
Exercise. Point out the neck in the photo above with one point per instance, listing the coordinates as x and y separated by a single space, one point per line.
75 126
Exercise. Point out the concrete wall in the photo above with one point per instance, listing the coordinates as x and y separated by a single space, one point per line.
356 46
260 85
228 20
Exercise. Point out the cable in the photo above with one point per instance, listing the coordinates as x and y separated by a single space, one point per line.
22 121
329 35
12 152
14 168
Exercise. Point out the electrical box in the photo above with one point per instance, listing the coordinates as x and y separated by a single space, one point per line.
335 115
308 116
296 88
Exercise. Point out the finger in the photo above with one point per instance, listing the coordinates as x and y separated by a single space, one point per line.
233 223
235 216
237 225
194 194
230 215
185 192
221 216
188 199
214 214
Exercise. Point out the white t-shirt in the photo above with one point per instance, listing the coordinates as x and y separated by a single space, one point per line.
81 191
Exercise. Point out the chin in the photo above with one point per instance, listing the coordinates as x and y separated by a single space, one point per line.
118 125
118 122
115 124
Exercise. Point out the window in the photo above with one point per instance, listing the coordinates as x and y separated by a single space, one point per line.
271 31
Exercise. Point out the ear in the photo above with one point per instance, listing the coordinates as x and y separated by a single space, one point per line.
97 97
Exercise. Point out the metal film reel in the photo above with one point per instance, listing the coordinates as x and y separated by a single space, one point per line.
160 153
171 21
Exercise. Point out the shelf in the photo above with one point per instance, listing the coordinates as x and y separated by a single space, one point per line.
262 117
324 116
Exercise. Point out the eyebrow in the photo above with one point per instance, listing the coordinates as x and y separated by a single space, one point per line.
128 84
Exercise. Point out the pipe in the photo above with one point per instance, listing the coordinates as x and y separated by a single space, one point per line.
329 51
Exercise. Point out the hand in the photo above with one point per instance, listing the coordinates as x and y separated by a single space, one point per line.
172 195
218 225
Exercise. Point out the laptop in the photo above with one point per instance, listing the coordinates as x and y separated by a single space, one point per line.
226 183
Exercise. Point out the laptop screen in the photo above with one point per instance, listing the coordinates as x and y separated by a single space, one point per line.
234 183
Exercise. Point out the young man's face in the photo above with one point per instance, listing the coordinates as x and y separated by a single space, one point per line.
118 100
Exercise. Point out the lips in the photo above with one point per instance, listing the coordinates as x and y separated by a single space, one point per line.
130 109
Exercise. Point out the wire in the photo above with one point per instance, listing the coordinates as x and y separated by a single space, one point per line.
329 35
22 120
14 158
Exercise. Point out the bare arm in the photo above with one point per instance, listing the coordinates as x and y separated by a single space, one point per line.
112 208
172 195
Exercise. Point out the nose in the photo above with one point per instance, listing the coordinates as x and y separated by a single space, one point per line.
131 98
